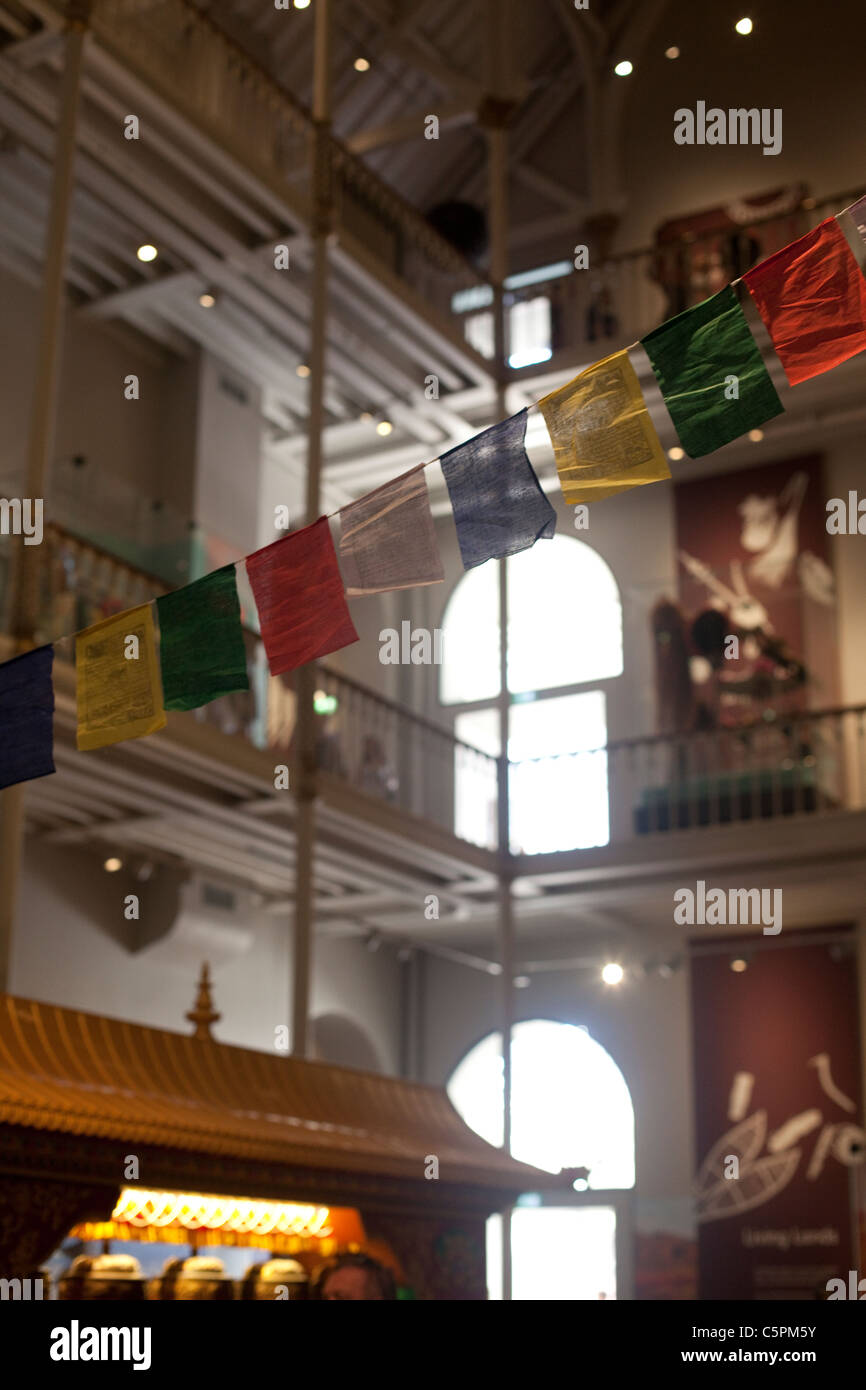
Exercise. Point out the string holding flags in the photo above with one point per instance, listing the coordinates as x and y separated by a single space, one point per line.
811 297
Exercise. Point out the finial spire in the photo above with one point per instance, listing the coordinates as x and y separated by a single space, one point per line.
203 1014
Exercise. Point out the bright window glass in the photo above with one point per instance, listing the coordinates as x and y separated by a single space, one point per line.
570 1105
564 623
564 617
558 796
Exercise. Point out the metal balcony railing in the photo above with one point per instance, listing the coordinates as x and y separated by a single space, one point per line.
619 300
784 765
788 764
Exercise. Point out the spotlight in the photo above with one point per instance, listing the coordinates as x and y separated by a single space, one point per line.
756 436
112 865
521 982
738 965
302 369
384 427
676 453
302 4
744 25
612 973
146 252
365 417
362 65
672 52
207 300
624 68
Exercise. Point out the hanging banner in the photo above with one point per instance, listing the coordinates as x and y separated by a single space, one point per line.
711 374
604 441
117 675
812 297
299 595
778 1125
388 540
201 642
498 504
27 717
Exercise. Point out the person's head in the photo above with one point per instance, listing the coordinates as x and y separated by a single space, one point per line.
354 1278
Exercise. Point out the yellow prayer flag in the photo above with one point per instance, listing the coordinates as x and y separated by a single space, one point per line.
118 685
603 438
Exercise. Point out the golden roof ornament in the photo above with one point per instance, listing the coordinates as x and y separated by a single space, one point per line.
203 1014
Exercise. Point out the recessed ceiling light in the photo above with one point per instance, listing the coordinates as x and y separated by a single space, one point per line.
365 416
146 252
522 982
302 369
756 436
676 453
384 427
738 965
362 65
302 4
112 865
207 300
624 68
672 52
744 25
612 973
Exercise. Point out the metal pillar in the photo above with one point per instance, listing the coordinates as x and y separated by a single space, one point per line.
25 567
496 113
304 760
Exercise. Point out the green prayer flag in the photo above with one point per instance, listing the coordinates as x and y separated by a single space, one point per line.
201 649
711 374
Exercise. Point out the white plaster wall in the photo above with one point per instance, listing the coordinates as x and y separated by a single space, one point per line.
69 949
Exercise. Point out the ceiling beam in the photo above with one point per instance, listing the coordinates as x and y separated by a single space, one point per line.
419 52
455 113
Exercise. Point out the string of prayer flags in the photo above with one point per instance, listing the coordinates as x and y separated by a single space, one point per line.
388 540
201 642
711 374
498 504
119 693
812 297
299 595
604 441
27 717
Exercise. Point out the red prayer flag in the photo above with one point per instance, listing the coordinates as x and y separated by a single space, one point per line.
812 297
299 595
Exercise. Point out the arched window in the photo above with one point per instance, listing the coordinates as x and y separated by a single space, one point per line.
564 647
570 1104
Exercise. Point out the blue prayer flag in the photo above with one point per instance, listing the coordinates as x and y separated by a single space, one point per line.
499 507
26 717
